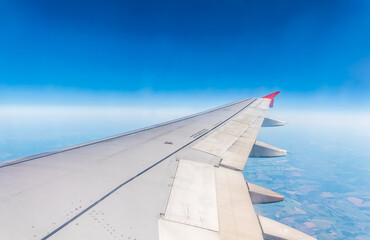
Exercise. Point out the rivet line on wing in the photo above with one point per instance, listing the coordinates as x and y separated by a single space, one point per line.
137 175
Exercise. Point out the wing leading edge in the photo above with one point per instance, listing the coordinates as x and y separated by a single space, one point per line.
177 180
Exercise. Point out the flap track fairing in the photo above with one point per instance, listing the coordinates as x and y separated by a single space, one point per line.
261 195
273 230
269 122
263 150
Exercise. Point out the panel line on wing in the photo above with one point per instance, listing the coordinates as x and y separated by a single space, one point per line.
213 199
132 178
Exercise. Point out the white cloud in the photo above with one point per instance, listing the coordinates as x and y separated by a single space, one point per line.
355 122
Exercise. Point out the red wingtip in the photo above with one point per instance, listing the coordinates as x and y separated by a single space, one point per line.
271 97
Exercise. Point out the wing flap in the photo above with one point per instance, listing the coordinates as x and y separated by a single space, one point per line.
237 219
193 196
236 156
234 128
217 143
211 198
234 140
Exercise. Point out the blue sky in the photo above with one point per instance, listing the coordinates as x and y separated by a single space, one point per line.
94 49
73 71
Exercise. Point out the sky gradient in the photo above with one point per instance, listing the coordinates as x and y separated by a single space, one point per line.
129 64
76 71
314 48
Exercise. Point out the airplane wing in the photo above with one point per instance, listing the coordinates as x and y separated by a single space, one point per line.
177 180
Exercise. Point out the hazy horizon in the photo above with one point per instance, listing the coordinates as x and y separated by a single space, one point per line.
76 71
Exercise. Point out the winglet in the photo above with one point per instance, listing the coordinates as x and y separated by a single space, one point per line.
271 97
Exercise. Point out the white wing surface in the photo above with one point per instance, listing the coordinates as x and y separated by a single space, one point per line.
177 180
